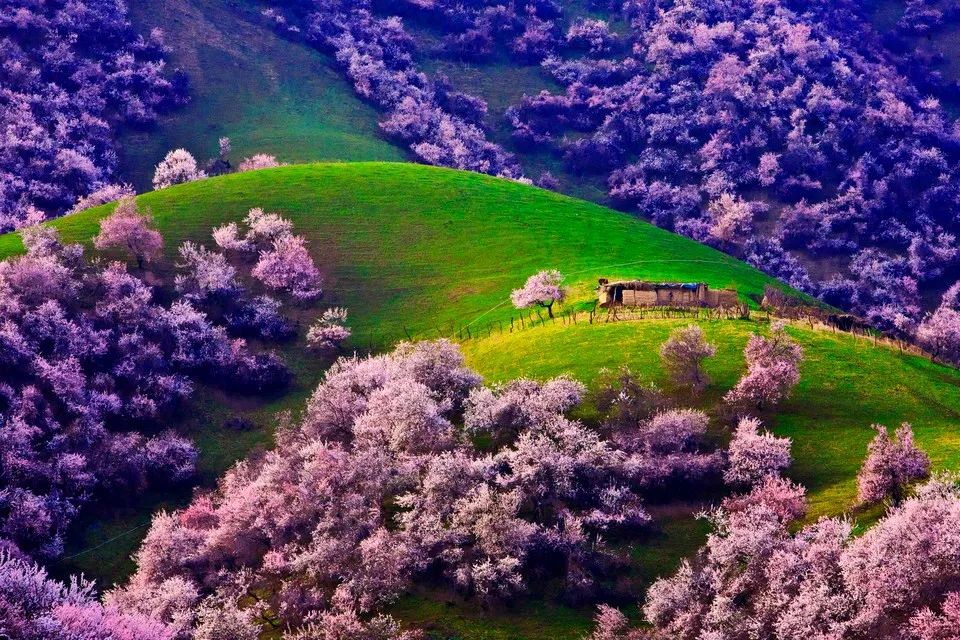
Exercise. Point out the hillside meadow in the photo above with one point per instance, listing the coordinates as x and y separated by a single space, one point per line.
422 252
266 93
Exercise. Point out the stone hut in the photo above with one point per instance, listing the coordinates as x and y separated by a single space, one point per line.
640 293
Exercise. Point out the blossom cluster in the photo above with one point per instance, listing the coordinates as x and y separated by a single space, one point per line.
71 71
378 485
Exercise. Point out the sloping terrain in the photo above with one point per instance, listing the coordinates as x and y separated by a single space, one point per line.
424 252
268 94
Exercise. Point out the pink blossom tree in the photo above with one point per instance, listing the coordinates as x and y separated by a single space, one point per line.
177 166
130 229
768 169
611 624
730 220
755 456
542 289
228 238
287 266
263 227
786 499
773 369
258 161
205 273
330 330
939 333
670 447
683 355
891 465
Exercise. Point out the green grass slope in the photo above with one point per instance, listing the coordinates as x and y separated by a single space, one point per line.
410 250
846 384
266 93
422 252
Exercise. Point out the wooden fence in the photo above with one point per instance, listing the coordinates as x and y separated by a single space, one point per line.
815 320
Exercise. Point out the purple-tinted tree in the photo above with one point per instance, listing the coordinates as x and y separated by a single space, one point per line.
205 273
683 355
129 228
786 499
730 220
754 456
891 465
330 330
592 35
670 447
939 333
287 266
611 624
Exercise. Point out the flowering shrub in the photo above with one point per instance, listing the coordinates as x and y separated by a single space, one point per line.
330 330
773 369
128 228
755 456
891 465
683 355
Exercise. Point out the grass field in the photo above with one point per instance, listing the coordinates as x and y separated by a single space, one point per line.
420 251
846 384
410 250
266 93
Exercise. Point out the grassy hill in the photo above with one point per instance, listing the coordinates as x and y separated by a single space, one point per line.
423 252
267 93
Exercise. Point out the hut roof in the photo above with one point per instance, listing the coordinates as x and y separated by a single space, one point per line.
643 285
